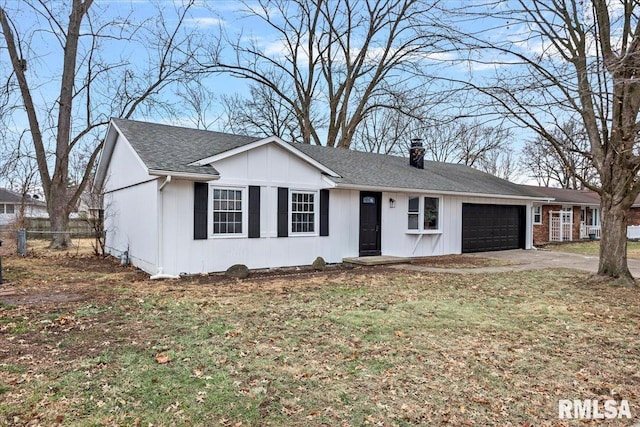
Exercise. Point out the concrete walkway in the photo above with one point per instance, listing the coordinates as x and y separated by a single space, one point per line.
528 260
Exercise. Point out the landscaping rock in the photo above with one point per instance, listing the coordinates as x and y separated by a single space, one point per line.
239 271
319 264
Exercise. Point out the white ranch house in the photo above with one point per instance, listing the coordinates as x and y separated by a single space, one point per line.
186 201
12 202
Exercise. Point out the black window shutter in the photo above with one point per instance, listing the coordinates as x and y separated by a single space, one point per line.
324 212
283 212
200 210
254 211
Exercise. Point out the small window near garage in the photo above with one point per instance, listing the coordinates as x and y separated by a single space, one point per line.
537 214
423 215
303 212
414 213
1 208
227 211
431 213
10 209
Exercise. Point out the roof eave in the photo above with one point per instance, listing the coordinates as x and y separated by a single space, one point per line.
259 143
443 192
185 175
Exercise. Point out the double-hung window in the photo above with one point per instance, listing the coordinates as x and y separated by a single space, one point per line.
537 214
227 211
303 212
424 214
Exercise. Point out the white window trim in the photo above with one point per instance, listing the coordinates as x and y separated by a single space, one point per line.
595 214
245 212
420 229
316 213
534 215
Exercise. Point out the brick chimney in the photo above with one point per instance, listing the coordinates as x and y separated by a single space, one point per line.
416 153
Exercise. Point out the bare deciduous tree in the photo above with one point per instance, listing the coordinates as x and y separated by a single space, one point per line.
541 160
559 59
99 73
335 56
18 171
262 114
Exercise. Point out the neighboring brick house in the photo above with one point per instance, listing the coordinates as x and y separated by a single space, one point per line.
572 215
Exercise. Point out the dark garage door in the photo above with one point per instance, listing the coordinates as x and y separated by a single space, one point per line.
492 227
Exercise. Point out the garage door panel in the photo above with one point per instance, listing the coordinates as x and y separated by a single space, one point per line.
492 227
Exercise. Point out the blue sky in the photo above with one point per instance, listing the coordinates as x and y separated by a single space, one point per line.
207 17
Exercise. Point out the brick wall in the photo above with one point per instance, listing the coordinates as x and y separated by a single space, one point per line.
633 218
541 231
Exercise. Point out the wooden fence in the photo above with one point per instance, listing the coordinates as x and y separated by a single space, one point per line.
41 228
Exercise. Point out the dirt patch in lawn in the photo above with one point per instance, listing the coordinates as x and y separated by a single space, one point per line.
460 261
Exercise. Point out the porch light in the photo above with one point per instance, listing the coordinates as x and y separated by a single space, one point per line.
392 203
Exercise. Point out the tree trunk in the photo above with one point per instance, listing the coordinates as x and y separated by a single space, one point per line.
613 243
59 217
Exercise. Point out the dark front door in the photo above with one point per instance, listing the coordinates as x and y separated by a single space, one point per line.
370 216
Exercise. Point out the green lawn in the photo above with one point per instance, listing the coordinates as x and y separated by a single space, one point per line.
86 342
593 248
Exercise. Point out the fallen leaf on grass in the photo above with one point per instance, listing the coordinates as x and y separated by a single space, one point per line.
162 358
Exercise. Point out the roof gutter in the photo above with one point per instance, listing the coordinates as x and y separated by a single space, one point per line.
423 190
184 175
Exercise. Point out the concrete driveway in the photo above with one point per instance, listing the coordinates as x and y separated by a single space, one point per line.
532 260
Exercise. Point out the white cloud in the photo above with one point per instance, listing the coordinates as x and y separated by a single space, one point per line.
204 22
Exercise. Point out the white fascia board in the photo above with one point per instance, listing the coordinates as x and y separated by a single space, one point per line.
105 155
185 175
426 191
547 201
260 143
113 132
560 203
328 180
135 153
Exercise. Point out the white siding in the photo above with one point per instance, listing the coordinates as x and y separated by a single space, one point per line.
30 211
130 224
138 217
125 167
182 254
396 241
130 208
269 167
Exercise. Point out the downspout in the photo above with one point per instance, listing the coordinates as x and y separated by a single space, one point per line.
160 274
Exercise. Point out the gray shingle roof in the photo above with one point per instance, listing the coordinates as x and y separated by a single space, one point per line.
380 170
567 196
8 196
172 148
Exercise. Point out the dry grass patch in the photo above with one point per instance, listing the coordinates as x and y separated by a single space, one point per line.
367 346
592 248
460 261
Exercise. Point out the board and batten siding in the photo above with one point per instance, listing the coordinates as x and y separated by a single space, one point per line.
185 255
270 167
130 224
132 217
125 168
130 208
396 241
